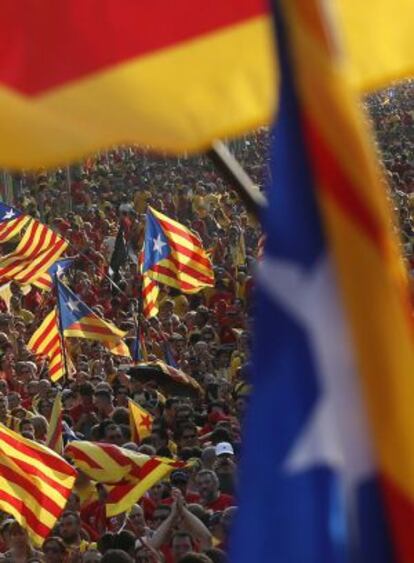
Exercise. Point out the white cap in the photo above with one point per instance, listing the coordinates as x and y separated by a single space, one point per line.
224 448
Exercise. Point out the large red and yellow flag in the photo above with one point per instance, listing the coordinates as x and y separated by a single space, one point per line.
38 249
35 483
127 474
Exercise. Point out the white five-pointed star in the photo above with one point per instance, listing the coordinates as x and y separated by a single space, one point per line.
9 214
73 305
59 270
336 433
158 244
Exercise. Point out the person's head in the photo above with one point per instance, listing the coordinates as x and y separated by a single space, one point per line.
44 387
14 400
161 513
103 401
187 436
44 407
86 392
18 538
226 520
54 550
40 426
179 479
116 556
69 527
216 555
112 434
181 544
207 484
3 406
208 457
26 425
137 519
91 556
193 557
4 388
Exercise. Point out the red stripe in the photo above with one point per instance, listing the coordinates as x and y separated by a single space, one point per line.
401 515
56 434
21 254
32 521
91 329
160 269
56 251
81 37
115 454
44 458
170 230
28 485
79 455
51 326
7 228
333 180
32 470
196 275
191 254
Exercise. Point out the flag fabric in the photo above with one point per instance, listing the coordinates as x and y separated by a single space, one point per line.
54 438
119 254
79 321
11 222
123 86
38 249
35 483
140 422
46 341
168 355
126 474
330 411
45 281
177 375
150 291
139 349
174 256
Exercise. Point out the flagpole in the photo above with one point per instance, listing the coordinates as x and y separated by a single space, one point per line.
60 326
234 173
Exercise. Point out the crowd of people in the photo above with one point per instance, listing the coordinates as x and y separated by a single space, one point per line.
206 335
187 517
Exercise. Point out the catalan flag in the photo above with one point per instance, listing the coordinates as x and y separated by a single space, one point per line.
79 321
45 281
149 293
174 256
140 422
127 474
35 483
11 222
54 438
38 249
331 406
46 341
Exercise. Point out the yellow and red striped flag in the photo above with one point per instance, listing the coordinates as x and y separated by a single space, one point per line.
35 483
39 248
46 341
140 422
54 438
127 474
150 291
12 222
174 255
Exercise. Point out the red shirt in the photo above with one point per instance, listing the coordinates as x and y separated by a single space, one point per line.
222 502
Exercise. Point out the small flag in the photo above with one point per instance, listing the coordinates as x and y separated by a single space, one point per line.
54 438
46 341
140 422
39 248
35 483
169 358
120 253
79 321
126 474
11 222
150 291
45 281
174 255
139 349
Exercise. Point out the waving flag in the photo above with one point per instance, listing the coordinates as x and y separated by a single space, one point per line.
174 256
35 483
140 422
331 411
127 474
45 281
150 291
46 341
79 321
38 249
11 222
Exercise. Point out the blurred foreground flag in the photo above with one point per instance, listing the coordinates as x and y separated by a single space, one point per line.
76 76
11 222
327 473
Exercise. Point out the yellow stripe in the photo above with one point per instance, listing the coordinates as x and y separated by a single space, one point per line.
9 509
218 85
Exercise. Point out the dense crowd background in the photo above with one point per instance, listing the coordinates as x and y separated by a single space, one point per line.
187 517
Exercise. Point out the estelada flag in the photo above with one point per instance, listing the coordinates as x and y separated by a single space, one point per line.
140 421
